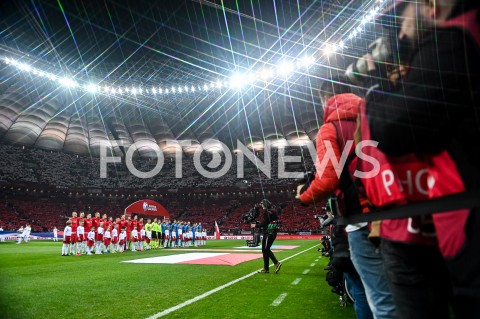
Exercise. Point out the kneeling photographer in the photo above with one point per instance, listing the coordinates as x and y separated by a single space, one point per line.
268 226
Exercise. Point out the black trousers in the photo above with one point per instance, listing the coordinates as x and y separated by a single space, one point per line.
267 242
418 279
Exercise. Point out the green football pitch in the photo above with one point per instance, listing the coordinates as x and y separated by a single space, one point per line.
37 282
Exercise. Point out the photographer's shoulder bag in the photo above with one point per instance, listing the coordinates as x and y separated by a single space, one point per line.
398 181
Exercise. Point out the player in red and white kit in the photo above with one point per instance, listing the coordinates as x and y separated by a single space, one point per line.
87 223
115 238
67 238
141 234
74 239
204 237
90 240
80 239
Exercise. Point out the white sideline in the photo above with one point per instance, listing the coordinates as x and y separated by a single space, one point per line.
296 281
306 271
208 293
279 299
312 265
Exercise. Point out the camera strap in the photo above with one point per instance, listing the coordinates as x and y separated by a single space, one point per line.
445 204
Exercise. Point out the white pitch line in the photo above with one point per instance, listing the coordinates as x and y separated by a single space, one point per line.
306 271
316 260
208 293
296 281
312 265
279 299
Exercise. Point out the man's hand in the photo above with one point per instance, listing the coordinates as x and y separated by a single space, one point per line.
299 189
253 225
370 62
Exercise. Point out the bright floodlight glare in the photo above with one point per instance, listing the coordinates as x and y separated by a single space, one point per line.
180 89
67 82
185 88
6 60
218 84
329 49
140 90
192 89
154 90
237 81
285 68
307 61
92 88
160 91
266 74
24 67
166 91
205 87
134 91
173 89
250 77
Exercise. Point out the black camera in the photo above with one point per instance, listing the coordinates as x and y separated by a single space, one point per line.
251 216
381 51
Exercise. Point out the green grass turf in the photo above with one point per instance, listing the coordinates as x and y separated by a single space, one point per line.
37 282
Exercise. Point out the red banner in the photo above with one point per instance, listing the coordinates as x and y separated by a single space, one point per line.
147 207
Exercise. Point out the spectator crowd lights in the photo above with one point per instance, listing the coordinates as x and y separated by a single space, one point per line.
237 81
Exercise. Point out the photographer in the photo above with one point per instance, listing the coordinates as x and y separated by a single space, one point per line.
434 112
268 226
340 115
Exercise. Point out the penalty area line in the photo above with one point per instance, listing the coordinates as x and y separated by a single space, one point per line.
211 292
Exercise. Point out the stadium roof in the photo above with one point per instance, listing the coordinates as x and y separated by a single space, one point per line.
177 45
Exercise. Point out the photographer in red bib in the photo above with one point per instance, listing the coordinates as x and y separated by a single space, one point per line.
434 113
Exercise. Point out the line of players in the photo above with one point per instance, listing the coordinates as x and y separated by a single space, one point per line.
88 235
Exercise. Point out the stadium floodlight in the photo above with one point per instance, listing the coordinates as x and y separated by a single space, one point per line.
306 61
134 91
285 68
341 45
185 88
192 89
167 91
67 82
180 89
24 67
92 88
237 81
120 91
329 49
140 90
160 91
173 89
219 84
266 74
154 90
6 60
205 87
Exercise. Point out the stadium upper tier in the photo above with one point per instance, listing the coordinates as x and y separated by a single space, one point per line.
36 166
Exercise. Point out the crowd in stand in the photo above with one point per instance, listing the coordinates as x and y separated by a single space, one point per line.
32 165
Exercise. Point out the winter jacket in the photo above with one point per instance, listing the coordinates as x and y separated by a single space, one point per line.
341 107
